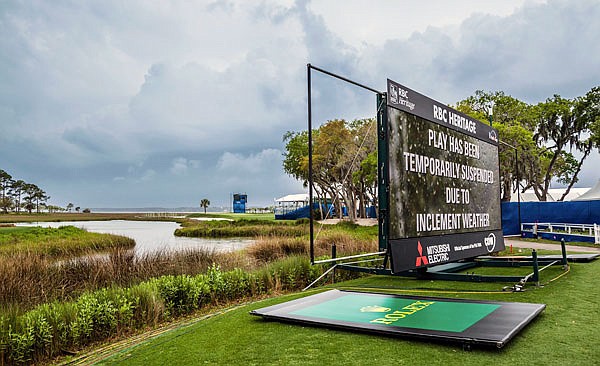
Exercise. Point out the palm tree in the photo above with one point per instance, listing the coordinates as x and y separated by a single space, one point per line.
204 203
69 207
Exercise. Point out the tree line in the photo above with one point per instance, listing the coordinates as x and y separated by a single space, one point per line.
551 139
18 194
344 164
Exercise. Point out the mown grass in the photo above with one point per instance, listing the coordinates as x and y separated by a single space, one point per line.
565 333
57 242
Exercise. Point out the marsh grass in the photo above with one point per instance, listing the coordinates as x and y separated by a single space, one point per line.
62 242
30 278
241 228
47 329
269 248
49 303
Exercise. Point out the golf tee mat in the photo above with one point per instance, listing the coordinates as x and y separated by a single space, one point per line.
471 322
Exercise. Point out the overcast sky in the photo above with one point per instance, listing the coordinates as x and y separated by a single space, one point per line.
163 103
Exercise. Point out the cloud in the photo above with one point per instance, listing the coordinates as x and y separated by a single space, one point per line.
251 164
148 175
532 54
140 93
180 166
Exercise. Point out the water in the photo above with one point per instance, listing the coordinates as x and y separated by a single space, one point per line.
151 236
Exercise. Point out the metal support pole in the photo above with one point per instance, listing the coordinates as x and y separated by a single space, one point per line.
536 267
563 248
310 67
382 171
310 168
518 185
333 256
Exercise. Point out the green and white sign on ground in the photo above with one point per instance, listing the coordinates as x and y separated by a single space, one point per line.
400 312
460 320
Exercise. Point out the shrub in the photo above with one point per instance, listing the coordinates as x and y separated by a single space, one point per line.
147 303
182 293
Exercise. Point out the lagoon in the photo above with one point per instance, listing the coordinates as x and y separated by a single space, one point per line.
151 236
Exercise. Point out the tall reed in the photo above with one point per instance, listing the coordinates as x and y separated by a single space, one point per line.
267 248
28 279
48 329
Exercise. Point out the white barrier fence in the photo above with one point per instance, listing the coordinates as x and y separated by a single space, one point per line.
585 230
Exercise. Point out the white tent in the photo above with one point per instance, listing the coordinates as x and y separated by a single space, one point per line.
592 194
554 194
301 197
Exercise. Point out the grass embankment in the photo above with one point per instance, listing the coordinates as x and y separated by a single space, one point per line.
57 242
74 317
262 228
59 217
242 228
31 279
565 333
47 330
235 216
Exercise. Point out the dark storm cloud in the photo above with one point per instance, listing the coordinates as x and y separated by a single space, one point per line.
141 104
538 51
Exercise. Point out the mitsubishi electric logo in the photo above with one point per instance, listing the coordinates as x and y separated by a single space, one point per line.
421 258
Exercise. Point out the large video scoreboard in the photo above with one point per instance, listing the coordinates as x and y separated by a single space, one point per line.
444 189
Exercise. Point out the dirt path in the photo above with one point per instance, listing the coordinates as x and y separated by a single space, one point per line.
516 243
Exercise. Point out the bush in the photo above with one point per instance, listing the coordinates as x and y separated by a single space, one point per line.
182 294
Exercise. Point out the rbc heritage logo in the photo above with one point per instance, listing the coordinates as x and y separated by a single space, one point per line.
394 94
400 96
